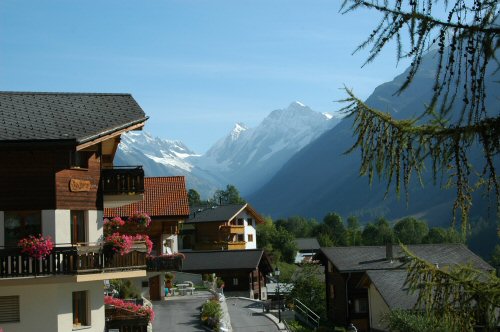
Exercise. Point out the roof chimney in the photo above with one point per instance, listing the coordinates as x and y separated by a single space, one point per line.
388 251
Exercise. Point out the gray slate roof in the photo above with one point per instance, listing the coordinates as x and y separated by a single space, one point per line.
390 285
222 260
307 243
351 259
213 213
74 117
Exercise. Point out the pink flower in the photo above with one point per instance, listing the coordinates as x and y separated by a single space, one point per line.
36 246
140 218
138 309
142 237
121 243
111 226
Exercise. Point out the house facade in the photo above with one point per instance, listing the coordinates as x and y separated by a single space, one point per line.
57 181
244 272
166 202
366 282
221 227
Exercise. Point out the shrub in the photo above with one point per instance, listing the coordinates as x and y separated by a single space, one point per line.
211 313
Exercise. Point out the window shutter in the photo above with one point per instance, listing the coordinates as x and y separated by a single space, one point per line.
9 309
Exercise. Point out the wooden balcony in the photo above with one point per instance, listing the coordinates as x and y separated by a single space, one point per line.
164 263
236 245
233 229
122 185
70 260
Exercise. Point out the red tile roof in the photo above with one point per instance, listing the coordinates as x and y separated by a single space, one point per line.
163 197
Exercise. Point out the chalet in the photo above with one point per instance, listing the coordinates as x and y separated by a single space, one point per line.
166 202
57 177
307 248
364 283
243 271
221 227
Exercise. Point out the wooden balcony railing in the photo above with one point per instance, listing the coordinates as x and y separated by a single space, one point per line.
164 263
233 229
69 260
121 180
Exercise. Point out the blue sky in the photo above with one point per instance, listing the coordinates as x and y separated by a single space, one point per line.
195 66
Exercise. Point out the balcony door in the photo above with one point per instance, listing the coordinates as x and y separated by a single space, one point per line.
78 227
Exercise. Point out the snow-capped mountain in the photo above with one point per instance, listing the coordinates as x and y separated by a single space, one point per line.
248 157
161 157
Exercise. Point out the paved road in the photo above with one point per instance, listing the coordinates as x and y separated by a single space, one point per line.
246 316
179 314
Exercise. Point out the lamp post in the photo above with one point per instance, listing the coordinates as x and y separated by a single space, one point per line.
277 274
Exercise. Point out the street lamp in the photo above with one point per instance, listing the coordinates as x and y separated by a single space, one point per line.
277 274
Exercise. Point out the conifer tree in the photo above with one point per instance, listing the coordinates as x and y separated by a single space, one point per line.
456 119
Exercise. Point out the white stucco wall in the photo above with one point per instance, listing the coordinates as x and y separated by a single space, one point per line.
95 224
57 224
377 308
249 229
48 307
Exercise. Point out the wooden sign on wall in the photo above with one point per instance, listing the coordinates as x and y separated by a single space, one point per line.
76 185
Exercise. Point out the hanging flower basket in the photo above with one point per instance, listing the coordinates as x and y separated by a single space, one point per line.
36 246
119 243
140 219
113 225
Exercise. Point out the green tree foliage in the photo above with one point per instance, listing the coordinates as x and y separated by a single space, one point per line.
459 296
377 233
455 120
277 241
442 235
309 288
284 241
298 226
495 257
413 321
334 227
193 197
353 231
410 231
230 195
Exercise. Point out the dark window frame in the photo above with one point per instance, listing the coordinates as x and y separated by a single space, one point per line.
11 235
81 317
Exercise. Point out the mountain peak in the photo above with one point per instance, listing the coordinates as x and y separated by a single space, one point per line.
237 130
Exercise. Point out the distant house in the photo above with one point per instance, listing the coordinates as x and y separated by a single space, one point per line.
221 227
307 247
166 202
244 271
364 283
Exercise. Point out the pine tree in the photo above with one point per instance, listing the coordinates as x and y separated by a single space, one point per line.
456 118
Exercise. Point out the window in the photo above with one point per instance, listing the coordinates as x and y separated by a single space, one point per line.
361 306
241 238
241 222
80 309
9 309
79 159
250 237
20 224
250 222
78 229
332 292
235 281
